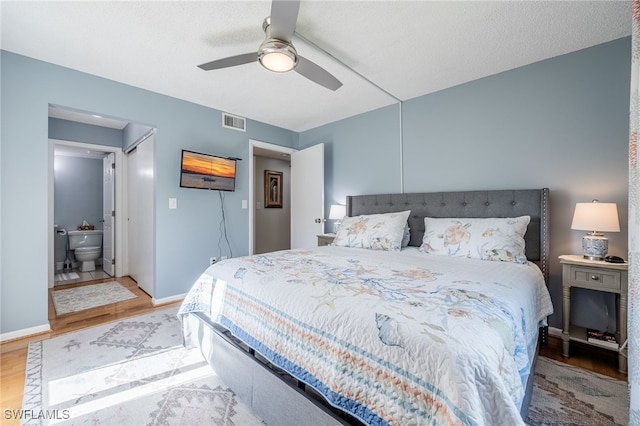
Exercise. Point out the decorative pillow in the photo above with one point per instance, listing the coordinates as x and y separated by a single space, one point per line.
500 239
375 231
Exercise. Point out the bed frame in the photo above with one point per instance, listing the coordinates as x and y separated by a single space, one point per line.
279 399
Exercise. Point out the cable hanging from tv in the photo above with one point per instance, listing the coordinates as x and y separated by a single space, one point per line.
223 228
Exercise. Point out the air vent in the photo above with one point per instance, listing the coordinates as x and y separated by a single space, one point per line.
233 122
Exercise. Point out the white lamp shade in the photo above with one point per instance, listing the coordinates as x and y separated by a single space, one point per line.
595 216
337 212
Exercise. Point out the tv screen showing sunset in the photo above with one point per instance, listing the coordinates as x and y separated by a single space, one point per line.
207 172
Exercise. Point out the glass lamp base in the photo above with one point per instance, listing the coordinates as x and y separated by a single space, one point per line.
595 247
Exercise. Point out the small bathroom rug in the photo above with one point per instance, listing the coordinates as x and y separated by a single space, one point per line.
66 276
89 296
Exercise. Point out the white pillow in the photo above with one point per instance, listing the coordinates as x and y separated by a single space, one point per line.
500 239
375 231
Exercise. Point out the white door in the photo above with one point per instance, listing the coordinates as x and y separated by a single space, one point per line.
146 222
307 196
132 216
108 213
141 221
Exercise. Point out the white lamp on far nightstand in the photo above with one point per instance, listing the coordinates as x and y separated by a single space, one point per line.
595 217
337 212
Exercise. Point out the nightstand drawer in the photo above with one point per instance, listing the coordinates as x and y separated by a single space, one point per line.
595 277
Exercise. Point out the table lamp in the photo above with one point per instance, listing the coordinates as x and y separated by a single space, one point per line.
595 217
337 212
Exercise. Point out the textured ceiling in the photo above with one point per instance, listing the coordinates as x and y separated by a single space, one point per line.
407 48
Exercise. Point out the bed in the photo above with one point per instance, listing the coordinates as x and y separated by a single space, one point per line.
432 326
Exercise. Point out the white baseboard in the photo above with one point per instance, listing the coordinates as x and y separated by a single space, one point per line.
25 332
555 332
170 299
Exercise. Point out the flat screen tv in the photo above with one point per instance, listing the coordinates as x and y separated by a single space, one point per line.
204 171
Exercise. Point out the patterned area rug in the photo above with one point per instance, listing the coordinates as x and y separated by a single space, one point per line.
568 396
130 372
89 296
136 372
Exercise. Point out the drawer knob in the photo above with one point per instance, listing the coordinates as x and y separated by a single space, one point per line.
594 278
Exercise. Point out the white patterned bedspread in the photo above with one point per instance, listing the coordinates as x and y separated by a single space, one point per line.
390 337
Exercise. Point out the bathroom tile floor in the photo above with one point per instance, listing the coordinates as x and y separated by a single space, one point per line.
62 277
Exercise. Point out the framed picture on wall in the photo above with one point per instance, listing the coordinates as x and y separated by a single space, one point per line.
272 189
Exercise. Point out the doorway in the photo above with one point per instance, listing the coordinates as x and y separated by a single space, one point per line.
272 212
307 192
70 155
264 154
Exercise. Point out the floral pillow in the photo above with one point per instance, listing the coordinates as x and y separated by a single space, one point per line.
500 239
375 231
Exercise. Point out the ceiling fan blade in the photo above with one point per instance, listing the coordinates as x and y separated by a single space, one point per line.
317 74
284 14
231 61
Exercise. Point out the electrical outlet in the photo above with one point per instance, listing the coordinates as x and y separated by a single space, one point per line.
212 260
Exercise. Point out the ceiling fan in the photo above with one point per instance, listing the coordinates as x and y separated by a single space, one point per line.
276 53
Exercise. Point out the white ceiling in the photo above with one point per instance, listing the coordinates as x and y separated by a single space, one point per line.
408 48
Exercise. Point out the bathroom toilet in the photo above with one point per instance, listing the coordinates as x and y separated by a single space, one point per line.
87 247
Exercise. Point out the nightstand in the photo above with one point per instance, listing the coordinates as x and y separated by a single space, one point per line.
594 275
325 239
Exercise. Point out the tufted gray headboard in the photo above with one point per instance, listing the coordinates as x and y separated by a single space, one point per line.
498 203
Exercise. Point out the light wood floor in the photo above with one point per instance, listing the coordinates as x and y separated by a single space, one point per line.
599 360
13 354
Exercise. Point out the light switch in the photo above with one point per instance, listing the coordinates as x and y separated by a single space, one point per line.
244 204
173 203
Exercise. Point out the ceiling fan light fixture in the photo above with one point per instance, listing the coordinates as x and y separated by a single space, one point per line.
277 55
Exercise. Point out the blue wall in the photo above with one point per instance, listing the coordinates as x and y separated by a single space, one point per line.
362 154
77 195
561 123
185 238
87 133
132 134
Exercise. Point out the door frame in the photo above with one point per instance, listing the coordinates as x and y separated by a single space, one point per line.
252 202
108 217
120 204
